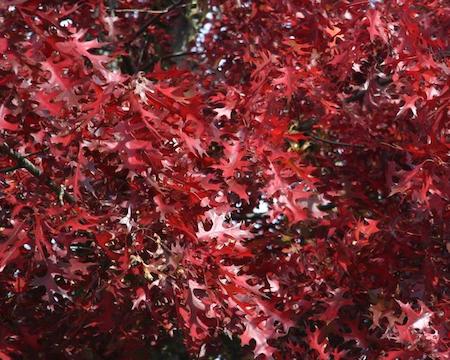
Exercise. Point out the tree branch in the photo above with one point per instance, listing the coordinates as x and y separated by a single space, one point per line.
180 54
18 166
332 142
153 20
23 162
147 11
35 153
9 169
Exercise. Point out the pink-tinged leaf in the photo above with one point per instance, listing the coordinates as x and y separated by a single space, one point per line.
9 249
127 220
329 106
225 104
75 46
417 320
138 145
78 176
58 83
193 143
238 189
283 318
64 140
410 179
366 230
194 313
339 355
376 26
171 92
334 305
48 104
141 298
287 80
5 124
297 47
298 118
314 343
239 284
52 288
163 208
410 104
379 311
3 45
220 230
223 112
234 154
257 331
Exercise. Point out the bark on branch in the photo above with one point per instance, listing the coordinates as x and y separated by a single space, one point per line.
23 162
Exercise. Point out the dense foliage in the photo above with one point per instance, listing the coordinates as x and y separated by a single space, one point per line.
284 182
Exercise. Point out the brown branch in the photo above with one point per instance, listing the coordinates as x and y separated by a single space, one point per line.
147 11
143 51
19 166
36 153
11 168
180 54
338 143
23 162
332 142
170 56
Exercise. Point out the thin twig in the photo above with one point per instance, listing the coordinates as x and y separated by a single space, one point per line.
152 20
35 171
143 51
35 153
179 54
147 11
112 7
11 168
18 166
332 142
170 56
